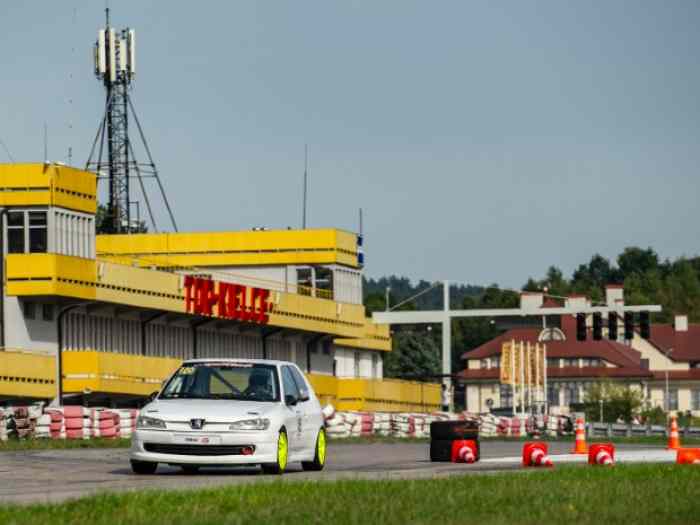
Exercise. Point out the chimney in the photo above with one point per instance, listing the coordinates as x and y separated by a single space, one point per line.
531 300
680 323
614 295
568 321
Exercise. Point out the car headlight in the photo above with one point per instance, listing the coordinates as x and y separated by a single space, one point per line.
149 422
259 423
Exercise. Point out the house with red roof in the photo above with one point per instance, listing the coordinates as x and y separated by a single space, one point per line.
665 368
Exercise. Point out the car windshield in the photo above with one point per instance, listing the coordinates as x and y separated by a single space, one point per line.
234 381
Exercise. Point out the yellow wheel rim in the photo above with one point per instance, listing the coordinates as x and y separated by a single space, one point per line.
282 451
321 447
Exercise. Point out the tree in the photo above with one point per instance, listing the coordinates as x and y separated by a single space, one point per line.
636 260
618 401
414 355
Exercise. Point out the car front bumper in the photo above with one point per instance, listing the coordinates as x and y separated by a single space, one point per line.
265 444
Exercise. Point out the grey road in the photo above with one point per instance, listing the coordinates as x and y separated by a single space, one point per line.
57 475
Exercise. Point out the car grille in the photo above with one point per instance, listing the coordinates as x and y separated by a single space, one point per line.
196 450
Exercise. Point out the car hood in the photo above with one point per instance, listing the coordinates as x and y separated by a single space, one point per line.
212 410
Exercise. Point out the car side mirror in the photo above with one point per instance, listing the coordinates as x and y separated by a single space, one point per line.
304 395
152 396
291 399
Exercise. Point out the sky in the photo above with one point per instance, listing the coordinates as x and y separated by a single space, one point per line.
484 140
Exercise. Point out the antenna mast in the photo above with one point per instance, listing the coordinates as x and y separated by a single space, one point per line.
306 179
115 67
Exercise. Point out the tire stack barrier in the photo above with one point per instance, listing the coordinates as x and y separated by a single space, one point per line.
24 423
127 421
488 426
3 425
105 423
77 422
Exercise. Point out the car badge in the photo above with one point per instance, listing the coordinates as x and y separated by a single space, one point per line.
197 424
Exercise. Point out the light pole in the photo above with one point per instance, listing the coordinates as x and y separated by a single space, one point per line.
666 399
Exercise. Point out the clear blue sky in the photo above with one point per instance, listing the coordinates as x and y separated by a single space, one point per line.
484 140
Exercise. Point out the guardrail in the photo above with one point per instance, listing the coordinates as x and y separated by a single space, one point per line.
624 430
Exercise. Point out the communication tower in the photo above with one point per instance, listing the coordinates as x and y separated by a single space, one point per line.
115 67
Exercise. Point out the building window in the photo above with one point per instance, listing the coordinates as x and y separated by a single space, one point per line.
571 362
553 395
30 310
375 365
571 394
304 281
47 312
324 282
673 399
553 362
15 232
592 362
357 364
506 396
38 237
484 363
695 399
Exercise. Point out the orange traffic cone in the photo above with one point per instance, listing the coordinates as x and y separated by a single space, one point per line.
674 442
580 447
688 456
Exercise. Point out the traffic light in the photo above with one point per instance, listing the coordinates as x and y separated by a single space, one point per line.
644 327
612 326
629 325
581 327
597 326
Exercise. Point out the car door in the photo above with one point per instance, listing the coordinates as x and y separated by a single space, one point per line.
293 420
309 424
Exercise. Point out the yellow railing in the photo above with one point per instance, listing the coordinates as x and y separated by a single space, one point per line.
24 374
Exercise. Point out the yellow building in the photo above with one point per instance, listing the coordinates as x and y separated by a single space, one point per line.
114 315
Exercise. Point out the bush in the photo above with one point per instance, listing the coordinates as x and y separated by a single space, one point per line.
618 402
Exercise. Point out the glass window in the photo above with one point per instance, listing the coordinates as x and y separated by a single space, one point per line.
304 281
695 399
30 310
324 282
673 399
553 394
571 362
553 362
47 312
15 232
37 232
484 363
506 392
288 383
232 381
357 364
375 365
299 380
495 362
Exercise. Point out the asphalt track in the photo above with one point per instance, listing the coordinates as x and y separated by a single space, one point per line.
57 475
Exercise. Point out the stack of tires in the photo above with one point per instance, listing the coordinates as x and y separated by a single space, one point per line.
24 425
3 425
105 423
127 421
443 433
77 422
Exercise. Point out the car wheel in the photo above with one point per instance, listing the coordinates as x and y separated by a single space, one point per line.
282 454
143 467
190 469
320 457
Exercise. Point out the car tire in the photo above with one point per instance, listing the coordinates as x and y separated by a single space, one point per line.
444 430
282 456
319 460
143 467
190 469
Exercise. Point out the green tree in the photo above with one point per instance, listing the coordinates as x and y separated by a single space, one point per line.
102 225
414 355
618 401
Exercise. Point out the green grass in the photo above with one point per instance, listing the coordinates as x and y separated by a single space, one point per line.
12 445
636 495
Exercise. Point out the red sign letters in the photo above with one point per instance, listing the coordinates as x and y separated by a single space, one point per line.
231 301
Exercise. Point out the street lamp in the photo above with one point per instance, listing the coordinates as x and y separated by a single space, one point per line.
666 398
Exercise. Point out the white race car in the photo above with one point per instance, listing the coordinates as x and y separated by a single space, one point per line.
231 412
